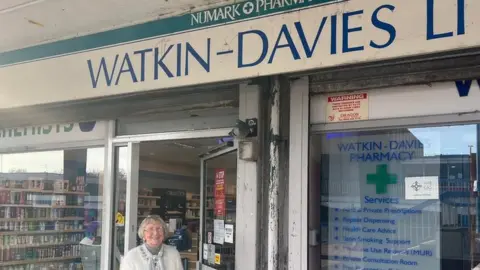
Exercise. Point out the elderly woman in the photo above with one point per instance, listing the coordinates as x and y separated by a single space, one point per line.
153 254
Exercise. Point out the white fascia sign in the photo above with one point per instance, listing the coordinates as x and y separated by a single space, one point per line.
240 41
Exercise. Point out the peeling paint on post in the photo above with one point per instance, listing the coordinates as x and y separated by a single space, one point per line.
274 175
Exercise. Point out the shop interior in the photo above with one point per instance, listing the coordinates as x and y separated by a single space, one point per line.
51 209
170 186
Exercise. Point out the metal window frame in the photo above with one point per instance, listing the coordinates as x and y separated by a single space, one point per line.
298 175
247 175
55 147
418 121
132 142
203 163
106 196
131 200
169 136
108 216
300 132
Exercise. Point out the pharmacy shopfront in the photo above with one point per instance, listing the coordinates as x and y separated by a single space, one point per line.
397 189
386 155
370 105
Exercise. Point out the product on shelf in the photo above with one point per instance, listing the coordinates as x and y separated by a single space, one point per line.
42 223
15 241
79 184
14 254
145 192
46 266
40 226
61 185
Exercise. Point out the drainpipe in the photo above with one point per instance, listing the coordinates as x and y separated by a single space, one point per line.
274 179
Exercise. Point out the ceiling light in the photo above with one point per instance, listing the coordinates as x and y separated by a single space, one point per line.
184 145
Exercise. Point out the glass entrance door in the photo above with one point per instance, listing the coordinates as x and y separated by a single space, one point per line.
162 177
218 215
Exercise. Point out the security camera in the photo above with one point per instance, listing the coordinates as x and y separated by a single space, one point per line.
242 130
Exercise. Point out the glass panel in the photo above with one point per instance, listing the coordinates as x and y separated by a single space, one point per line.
396 199
220 191
50 202
121 159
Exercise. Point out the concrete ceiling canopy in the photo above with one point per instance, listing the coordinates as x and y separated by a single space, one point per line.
24 23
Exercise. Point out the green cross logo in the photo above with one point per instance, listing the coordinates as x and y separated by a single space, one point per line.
381 179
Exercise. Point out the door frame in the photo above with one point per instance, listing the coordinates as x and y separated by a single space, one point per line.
132 144
248 175
218 152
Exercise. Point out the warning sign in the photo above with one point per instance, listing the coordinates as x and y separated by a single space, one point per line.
218 258
348 107
120 219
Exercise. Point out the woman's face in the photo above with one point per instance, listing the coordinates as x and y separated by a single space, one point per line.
154 234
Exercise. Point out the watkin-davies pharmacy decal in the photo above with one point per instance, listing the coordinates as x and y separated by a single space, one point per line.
241 40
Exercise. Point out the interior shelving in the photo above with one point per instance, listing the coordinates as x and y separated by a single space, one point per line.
40 225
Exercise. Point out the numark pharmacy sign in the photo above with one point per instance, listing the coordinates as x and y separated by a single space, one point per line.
241 40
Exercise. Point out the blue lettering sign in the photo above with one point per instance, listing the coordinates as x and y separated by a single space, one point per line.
347 30
333 35
142 62
103 66
463 87
264 48
126 60
390 29
183 54
191 51
360 146
384 200
290 44
431 34
159 62
176 59
306 47
371 151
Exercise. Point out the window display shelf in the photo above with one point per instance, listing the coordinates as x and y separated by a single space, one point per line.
44 206
36 261
38 232
42 219
149 206
146 203
174 212
149 197
38 245
44 191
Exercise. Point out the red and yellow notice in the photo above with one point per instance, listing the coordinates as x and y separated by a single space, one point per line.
348 107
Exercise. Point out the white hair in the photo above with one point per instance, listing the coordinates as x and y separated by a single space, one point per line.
149 220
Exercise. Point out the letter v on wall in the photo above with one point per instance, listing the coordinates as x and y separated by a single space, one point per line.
463 87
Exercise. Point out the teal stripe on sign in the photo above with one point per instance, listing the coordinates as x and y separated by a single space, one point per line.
150 30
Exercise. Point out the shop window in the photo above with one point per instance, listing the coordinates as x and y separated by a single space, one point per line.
51 209
413 201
